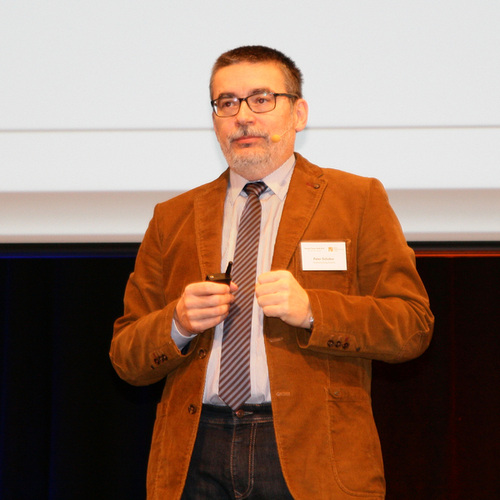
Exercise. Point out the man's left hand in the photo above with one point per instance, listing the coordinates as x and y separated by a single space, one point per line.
280 296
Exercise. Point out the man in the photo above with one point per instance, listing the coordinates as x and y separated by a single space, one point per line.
334 286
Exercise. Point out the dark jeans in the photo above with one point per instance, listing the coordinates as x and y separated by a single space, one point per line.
235 457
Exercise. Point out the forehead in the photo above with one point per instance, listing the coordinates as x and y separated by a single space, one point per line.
242 78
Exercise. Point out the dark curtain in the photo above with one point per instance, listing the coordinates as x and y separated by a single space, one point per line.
438 415
71 429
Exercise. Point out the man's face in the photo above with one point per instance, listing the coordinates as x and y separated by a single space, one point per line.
245 139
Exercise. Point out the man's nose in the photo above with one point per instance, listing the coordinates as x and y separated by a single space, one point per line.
245 114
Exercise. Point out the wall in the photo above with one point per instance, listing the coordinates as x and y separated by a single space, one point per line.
104 107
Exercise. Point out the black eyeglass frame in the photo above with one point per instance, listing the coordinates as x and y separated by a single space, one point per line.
213 102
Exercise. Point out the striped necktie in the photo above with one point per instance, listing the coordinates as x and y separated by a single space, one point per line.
234 382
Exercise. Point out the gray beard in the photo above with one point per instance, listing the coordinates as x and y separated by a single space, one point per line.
255 166
252 167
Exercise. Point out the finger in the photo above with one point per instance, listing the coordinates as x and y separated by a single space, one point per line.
273 311
267 298
201 313
196 320
271 276
203 288
271 288
201 304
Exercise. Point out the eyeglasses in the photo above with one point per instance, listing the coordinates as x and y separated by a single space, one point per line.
262 102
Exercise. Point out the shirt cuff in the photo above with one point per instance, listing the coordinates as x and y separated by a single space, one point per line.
180 340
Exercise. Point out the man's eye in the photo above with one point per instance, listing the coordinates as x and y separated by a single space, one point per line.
261 99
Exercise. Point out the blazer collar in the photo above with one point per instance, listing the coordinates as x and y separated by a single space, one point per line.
304 194
307 186
209 216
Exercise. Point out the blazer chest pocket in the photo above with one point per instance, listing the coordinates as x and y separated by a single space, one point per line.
325 280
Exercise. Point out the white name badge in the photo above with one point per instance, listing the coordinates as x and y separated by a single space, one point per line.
323 255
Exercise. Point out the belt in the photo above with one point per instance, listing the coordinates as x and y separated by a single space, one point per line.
261 409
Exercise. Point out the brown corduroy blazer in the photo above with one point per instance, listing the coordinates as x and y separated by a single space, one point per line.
320 381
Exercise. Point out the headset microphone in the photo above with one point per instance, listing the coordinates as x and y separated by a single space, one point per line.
277 137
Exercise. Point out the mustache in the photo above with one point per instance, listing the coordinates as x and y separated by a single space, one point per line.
247 132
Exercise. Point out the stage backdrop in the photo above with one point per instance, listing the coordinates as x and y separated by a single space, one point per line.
104 107
71 429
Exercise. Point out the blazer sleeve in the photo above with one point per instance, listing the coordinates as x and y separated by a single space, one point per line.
142 350
386 315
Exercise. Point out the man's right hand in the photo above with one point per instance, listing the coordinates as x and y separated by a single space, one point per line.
202 306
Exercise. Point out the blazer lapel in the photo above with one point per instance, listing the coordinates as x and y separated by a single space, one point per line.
307 186
209 215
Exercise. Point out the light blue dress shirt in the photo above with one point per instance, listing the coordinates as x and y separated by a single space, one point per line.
272 201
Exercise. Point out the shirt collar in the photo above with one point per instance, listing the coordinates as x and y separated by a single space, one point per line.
277 181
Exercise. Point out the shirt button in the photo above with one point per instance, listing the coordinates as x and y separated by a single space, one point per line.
240 413
192 409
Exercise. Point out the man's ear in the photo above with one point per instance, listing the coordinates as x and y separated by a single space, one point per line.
301 113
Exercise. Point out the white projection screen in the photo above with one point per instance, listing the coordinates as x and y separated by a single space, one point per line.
104 107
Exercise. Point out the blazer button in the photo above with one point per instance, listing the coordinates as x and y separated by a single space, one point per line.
330 343
202 353
192 409
346 345
338 343
160 359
